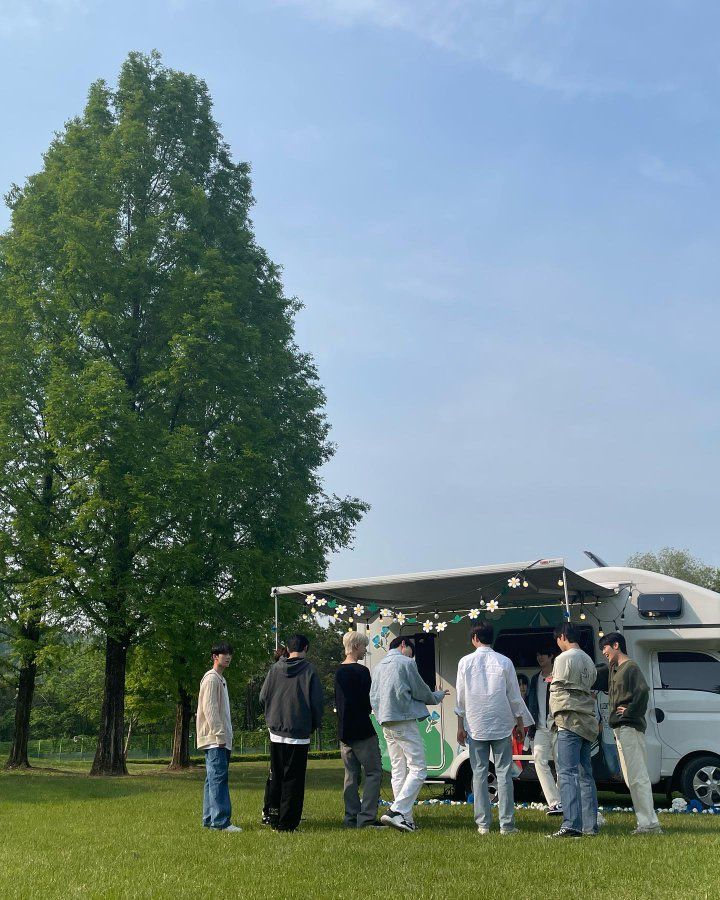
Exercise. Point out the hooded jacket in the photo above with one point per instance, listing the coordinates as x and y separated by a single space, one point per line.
292 697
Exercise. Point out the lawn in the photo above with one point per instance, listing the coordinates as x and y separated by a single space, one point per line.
68 835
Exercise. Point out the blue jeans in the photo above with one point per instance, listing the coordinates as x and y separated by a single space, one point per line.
216 799
480 762
576 782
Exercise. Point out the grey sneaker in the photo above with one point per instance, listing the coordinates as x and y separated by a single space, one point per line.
397 820
232 828
656 830
511 830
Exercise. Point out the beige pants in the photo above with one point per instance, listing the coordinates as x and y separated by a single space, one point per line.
543 752
633 762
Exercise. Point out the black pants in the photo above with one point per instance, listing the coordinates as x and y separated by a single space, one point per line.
286 785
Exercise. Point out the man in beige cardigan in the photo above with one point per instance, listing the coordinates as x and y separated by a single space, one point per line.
214 738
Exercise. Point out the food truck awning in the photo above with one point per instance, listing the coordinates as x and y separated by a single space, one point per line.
540 581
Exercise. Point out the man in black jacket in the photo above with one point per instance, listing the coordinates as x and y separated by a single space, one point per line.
292 697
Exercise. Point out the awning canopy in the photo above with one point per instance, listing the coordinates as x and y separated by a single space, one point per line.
458 590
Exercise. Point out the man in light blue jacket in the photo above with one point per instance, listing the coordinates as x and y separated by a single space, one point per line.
399 697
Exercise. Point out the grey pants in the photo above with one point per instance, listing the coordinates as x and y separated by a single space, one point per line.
361 756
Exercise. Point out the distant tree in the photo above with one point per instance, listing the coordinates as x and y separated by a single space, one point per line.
182 419
679 564
69 688
30 504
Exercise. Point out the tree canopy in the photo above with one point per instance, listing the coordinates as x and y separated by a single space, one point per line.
159 382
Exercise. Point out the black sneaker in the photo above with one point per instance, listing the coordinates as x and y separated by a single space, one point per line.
565 833
555 810
397 820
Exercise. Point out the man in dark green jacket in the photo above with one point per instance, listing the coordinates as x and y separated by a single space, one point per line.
628 703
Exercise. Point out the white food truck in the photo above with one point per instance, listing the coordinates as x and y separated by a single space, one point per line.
672 629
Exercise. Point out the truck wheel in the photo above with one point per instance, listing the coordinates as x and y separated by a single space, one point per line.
700 780
463 783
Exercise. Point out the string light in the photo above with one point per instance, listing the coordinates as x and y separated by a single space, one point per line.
601 633
583 616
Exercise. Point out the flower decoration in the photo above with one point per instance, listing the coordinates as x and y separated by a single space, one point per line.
321 601
473 614
359 609
341 610
427 626
514 582
400 618
313 610
386 613
310 599
441 626
492 605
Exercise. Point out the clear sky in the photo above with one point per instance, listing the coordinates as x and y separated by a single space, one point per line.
502 217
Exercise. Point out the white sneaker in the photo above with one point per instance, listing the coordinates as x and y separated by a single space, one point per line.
483 830
511 830
231 828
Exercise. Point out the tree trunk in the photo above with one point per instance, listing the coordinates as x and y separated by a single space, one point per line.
110 752
181 737
18 758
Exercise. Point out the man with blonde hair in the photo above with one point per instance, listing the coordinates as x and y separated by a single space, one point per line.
359 745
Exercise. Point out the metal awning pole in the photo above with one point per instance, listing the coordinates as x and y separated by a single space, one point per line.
274 595
567 597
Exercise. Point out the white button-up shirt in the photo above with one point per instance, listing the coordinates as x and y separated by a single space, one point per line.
488 695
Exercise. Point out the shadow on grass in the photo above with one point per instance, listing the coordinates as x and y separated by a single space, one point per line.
61 786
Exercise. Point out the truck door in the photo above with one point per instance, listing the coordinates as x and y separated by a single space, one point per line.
431 729
686 694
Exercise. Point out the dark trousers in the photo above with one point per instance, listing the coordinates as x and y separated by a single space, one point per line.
286 785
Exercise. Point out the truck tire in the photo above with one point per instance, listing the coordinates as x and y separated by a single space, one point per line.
700 780
463 783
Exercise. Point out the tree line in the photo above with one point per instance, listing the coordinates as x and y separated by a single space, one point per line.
161 433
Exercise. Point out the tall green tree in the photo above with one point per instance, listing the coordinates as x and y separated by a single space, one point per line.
29 508
185 422
679 564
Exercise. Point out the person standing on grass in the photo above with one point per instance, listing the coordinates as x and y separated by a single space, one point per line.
628 701
214 736
543 738
292 697
572 707
490 710
359 746
278 653
399 697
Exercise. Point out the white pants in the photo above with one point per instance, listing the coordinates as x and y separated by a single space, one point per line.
407 762
633 762
543 752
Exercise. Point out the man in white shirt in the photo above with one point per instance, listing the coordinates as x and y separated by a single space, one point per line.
489 707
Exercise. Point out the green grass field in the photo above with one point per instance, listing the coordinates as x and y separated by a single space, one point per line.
65 834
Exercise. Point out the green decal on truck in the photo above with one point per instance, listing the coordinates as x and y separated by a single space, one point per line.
438 753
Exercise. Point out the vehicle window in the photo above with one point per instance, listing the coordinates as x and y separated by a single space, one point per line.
689 672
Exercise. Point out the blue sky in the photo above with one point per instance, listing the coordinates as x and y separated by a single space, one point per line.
502 217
